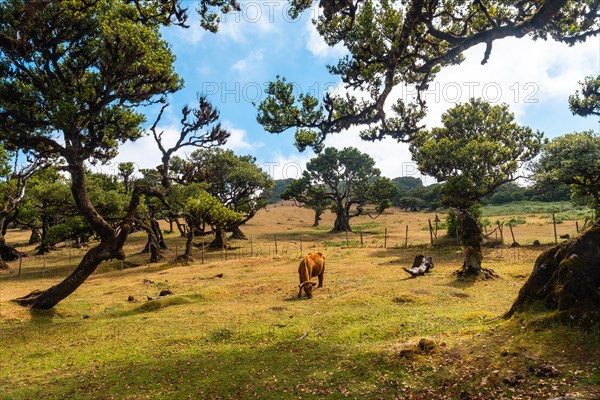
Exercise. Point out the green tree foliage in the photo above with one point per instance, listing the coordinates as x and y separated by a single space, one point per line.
348 180
572 159
126 170
14 177
278 188
71 75
479 148
47 202
407 42
206 208
413 196
312 196
406 183
237 181
588 101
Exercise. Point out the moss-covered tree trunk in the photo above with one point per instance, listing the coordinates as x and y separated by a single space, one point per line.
471 240
566 278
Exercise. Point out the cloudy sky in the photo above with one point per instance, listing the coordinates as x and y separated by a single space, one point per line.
251 48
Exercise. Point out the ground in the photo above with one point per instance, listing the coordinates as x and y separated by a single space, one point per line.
244 334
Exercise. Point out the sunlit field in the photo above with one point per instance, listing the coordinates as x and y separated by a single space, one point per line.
234 327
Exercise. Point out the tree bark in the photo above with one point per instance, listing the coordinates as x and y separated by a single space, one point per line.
471 241
152 244
187 255
181 228
7 252
110 246
35 236
44 248
236 233
220 240
342 221
566 278
318 214
46 299
158 233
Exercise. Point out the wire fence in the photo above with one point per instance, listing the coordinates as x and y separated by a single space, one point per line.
403 242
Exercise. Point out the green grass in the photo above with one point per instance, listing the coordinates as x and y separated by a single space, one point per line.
246 335
535 207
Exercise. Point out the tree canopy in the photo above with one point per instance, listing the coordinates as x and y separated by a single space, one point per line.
586 102
237 181
309 195
572 159
72 76
479 148
407 42
348 180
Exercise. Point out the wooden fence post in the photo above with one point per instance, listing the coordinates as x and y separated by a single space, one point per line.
511 233
20 265
361 239
385 237
275 236
430 232
554 223
406 238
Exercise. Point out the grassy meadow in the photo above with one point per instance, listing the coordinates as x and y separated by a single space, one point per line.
234 327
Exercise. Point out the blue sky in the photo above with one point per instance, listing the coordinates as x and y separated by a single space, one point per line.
233 66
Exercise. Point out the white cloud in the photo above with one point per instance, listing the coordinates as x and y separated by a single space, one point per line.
251 61
254 17
238 141
281 166
391 157
188 36
316 45
520 72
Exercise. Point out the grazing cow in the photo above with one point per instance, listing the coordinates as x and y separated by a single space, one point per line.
312 265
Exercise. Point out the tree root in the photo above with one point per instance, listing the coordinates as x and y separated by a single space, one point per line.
481 274
30 299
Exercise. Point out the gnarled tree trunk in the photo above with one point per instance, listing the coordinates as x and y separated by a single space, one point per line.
471 241
46 299
342 220
220 240
566 278
7 252
44 248
318 214
187 255
110 246
236 233
35 236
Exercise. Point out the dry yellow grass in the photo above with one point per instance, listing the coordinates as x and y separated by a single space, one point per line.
239 335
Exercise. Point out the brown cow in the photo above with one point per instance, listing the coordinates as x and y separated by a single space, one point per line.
312 265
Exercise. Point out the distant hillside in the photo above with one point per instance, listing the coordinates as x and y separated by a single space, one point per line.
280 186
